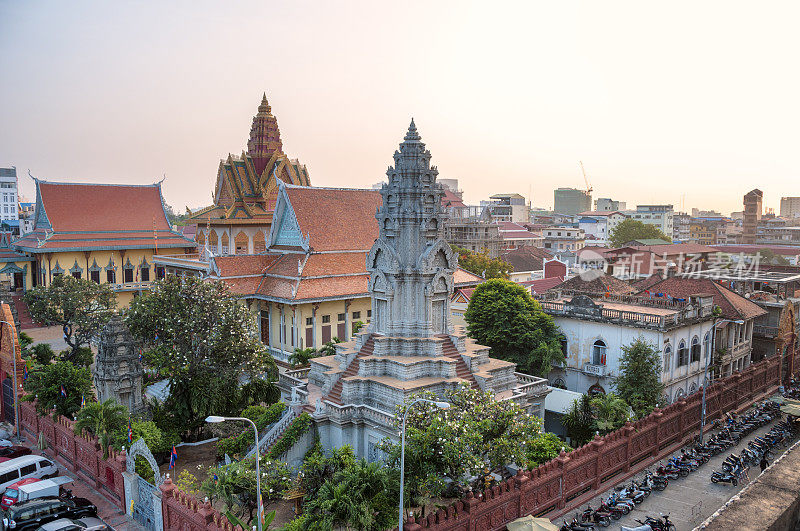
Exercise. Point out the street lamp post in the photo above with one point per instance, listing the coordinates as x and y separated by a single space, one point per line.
16 389
441 405
215 419
705 373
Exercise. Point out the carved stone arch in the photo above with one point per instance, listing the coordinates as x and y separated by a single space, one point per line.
439 254
139 448
200 237
440 283
382 257
379 282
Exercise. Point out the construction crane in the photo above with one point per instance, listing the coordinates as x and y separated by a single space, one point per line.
585 179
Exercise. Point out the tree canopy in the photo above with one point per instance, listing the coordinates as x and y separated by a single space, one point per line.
632 229
503 315
81 307
205 341
481 264
45 384
579 421
102 419
639 381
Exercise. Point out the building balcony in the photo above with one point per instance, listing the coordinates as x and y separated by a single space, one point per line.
131 286
594 370
765 331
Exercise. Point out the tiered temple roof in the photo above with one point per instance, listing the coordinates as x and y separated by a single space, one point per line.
247 185
85 217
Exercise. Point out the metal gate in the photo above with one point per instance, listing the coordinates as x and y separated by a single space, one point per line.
143 510
8 400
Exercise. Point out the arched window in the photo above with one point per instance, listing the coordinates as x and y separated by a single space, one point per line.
707 345
599 353
667 358
559 383
695 349
693 387
683 354
680 393
596 390
665 399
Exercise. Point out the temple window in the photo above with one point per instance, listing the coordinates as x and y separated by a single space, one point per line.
94 275
145 274
111 277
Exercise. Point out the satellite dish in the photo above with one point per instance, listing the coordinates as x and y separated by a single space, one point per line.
747 295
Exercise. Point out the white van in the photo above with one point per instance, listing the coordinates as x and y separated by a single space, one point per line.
27 466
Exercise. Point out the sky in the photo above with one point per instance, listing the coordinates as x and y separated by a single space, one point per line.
683 102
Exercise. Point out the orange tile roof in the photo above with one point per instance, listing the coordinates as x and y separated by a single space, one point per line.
462 277
600 284
733 306
337 219
241 265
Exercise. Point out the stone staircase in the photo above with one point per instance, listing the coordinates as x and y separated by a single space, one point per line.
274 433
335 395
23 316
462 371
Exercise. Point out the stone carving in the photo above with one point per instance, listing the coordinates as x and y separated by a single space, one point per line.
118 372
139 448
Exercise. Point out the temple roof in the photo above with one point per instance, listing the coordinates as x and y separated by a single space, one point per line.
82 216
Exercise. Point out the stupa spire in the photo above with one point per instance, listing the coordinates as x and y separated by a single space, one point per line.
265 136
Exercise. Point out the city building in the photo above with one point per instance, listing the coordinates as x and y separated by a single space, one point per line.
659 215
16 271
734 335
410 345
778 234
527 263
790 207
107 233
468 229
26 219
598 225
680 227
9 202
597 327
604 204
571 201
508 207
747 253
563 238
702 232
752 215
246 190
515 236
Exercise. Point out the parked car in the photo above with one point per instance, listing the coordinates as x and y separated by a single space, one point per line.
6 442
7 453
11 494
27 466
32 514
81 524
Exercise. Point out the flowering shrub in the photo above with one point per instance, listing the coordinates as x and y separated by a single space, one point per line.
296 429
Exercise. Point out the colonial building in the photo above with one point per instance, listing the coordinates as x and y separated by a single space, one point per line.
596 327
410 345
246 191
107 233
15 267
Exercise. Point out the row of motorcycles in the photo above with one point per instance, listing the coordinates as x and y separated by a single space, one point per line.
733 429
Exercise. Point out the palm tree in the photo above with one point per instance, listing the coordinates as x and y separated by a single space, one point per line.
300 356
102 419
610 412
329 348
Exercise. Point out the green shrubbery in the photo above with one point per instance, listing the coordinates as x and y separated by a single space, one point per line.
262 416
296 429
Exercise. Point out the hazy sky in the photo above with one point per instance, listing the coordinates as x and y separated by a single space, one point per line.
663 101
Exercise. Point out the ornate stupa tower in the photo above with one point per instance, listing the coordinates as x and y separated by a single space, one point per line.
265 136
410 345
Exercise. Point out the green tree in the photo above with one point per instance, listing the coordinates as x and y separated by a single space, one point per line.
42 353
205 340
329 348
632 229
301 356
360 496
610 412
639 381
503 315
45 383
458 442
481 264
82 357
768 256
579 421
81 307
544 448
318 467
102 419
25 343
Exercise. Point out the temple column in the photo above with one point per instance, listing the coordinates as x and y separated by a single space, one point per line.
346 320
282 329
314 308
269 325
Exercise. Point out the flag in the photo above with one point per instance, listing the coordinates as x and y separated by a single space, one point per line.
63 392
140 356
83 401
173 457
156 336
130 431
25 372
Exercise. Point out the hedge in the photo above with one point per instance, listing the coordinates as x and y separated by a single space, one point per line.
293 432
239 444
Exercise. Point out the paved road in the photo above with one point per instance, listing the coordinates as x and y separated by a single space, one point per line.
690 500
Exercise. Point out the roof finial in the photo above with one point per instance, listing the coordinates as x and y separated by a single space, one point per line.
264 106
412 132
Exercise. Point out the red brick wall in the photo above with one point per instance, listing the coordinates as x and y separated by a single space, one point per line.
568 481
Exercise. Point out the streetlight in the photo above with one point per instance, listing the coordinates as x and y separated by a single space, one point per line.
705 372
16 389
215 419
440 405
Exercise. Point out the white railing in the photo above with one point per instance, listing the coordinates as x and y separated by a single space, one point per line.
277 430
594 370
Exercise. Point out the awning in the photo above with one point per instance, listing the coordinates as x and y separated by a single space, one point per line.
529 523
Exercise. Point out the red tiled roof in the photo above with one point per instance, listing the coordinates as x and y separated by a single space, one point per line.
466 292
526 258
676 248
317 288
518 235
450 199
248 264
92 207
336 219
542 285
784 250
733 306
646 283
335 263
601 283
462 277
